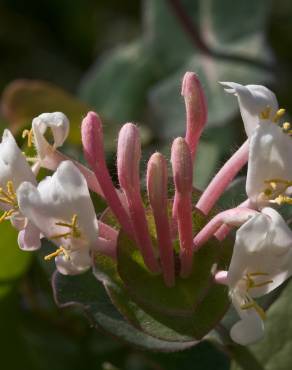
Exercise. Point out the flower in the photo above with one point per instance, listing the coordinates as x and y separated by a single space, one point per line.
269 165
255 102
261 261
62 209
14 169
59 125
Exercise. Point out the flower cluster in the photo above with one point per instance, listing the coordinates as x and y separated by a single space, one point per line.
59 208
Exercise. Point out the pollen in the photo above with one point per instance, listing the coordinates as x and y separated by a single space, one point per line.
74 231
265 113
29 135
276 189
280 113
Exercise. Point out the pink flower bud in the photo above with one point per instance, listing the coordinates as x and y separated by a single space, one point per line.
196 109
128 156
128 160
92 139
182 174
157 194
182 166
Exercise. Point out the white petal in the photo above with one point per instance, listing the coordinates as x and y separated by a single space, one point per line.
252 99
250 239
78 263
58 198
29 238
270 153
248 330
263 245
58 123
13 164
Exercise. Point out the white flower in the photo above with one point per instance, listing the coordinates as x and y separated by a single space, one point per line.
62 209
14 169
255 102
261 261
59 125
269 172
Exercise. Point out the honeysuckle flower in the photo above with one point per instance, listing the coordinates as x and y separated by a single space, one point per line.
14 169
269 172
256 102
62 209
261 261
58 123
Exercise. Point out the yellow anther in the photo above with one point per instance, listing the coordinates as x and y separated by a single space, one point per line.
73 226
280 112
59 251
29 135
282 199
265 114
255 306
250 283
286 126
8 196
275 191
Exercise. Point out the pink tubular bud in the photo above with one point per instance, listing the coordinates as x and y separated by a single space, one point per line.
196 109
182 174
128 160
157 194
182 166
92 140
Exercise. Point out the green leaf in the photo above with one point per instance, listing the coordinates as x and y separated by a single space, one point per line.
106 271
117 85
86 292
274 351
194 305
13 262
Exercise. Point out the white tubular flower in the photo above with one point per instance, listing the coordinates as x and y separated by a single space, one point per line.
261 261
59 125
255 102
62 209
269 165
14 169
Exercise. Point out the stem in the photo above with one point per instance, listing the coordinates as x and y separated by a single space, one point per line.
198 41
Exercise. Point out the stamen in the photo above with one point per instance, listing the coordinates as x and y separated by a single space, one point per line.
60 250
279 114
286 126
29 135
265 114
8 196
275 191
73 226
282 199
254 305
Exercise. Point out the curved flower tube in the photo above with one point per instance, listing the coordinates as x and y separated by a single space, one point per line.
62 209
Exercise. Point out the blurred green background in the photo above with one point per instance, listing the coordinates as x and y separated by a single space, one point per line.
126 59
